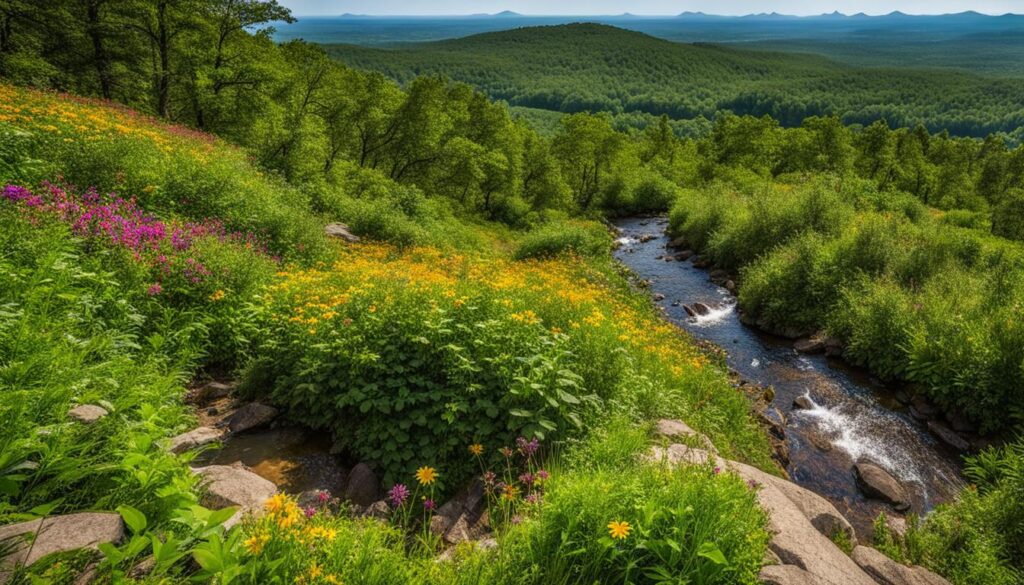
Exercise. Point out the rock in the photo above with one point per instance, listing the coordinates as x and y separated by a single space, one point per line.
876 482
810 345
718 274
193 439
669 259
674 429
87 413
960 422
777 428
379 510
820 441
363 486
341 231
58 534
647 238
659 297
678 454
143 568
700 309
833 346
902 397
948 435
212 391
788 575
888 572
228 485
729 286
699 262
677 243
896 525
803 401
685 255
251 416
464 517
924 407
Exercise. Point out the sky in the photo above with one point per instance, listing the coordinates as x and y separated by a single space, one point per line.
659 7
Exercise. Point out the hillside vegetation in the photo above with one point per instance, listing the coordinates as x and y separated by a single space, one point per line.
591 67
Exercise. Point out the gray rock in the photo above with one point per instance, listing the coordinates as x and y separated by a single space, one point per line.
803 401
87 413
948 435
700 309
718 273
888 572
363 486
213 391
251 416
960 422
193 439
876 482
379 510
675 429
924 407
58 534
464 517
228 485
788 575
677 243
810 345
341 231
685 255
730 286
659 297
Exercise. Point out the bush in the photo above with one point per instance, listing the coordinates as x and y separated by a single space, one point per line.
565 237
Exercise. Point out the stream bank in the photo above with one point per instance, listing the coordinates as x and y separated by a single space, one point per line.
835 417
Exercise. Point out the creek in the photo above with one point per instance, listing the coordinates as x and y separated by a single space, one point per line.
852 418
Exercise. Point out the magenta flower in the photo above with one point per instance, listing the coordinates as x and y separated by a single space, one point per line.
310 511
428 504
527 478
542 475
154 289
718 470
323 496
527 448
398 494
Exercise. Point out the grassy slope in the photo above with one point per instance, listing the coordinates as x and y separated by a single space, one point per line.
617 70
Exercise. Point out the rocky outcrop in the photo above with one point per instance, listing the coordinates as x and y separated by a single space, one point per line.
877 483
464 517
363 487
810 345
677 429
888 572
948 435
788 575
340 231
803 401
87 413
251 416
229 485
36 539
194 439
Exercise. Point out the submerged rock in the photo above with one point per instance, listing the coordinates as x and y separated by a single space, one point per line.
878 483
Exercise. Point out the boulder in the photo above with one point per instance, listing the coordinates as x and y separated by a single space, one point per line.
729 286
924 408
379 510
212 391
701 262
876 482
810 345
363 486
340 231
718 274
700 309
948 435
888 572
685 255
56 534
803 401
251 416
677 243
833 346
87 413
193 439
464 517
788 575
674 429
659 297
229 485
678 454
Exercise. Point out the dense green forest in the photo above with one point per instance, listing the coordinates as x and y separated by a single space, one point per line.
614 70
173 229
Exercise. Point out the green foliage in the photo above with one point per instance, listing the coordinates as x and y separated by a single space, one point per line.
565 237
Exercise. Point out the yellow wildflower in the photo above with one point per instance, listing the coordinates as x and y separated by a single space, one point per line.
619 530
476 449
426 475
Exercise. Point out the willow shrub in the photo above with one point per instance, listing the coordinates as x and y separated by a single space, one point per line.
431 352
565 237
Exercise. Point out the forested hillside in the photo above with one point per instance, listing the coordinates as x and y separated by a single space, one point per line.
590 67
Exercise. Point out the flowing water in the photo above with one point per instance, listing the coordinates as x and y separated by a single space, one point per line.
853 417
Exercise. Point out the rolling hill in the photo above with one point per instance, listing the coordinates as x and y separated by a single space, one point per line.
593 67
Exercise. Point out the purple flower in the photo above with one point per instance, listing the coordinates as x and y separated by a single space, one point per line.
310 511
398 494
428 504
527 448
490 478
323 496
532 499
542 475
154 289
527 478
718 470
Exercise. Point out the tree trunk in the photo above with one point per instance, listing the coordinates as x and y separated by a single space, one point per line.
100 57
163 81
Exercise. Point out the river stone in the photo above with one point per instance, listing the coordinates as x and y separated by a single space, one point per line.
803 401
730 286
363 486
87 413
464 517
833 346
679 242
788 575
888 572
230 485
948 435
876 482
659 297
685 255
193 439
212 391
251 416
810 345
924 408
58 534
700 309
340 231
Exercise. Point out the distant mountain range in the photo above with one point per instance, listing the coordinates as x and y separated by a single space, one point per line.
684 15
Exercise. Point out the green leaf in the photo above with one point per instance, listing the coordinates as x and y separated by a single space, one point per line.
133 518
710 551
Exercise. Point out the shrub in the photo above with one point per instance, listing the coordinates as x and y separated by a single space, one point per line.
565 237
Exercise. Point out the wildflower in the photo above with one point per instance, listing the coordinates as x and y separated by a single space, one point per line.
372 309
527 479
509 492
255 543
426 475
532 499
517 519
718 470
476 449
310 511
217 295
619 530
527 448
276 504
323 496
489 478
428 504
154 289
506 451
398 494
542 475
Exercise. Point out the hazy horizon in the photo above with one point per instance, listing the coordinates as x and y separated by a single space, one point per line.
643 7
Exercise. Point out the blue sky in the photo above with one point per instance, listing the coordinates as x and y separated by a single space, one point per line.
604 7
